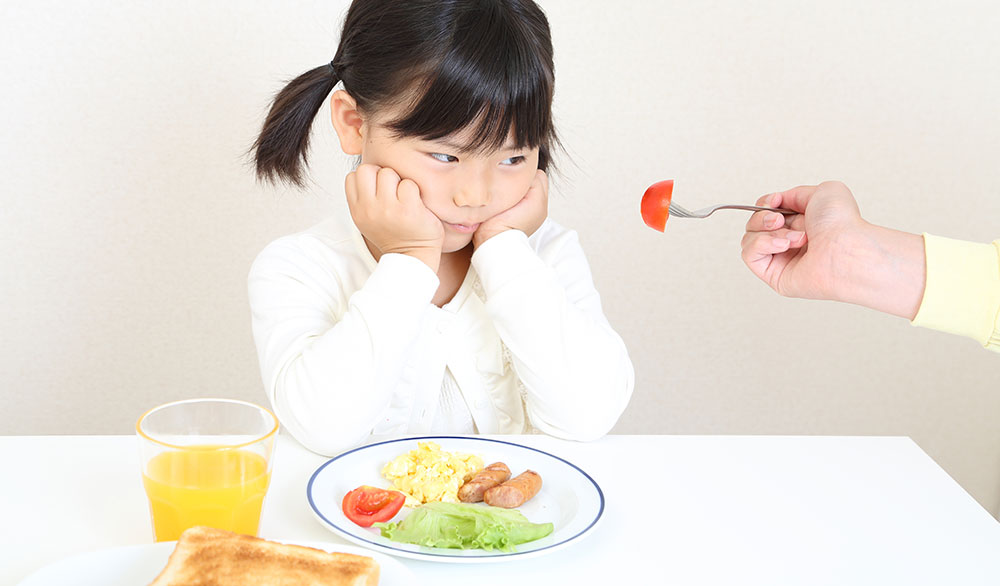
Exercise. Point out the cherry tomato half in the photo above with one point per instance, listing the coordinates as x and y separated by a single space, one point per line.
656 204
366 505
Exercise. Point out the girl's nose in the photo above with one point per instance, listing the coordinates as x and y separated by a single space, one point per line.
473 192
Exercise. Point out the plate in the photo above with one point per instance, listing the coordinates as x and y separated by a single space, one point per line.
137 565
569 498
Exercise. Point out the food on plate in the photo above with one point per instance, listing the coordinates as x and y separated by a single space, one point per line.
656 204
515 492
213 557
464 526
366 505
428 473
490 476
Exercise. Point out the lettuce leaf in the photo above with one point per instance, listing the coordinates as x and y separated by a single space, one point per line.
464 526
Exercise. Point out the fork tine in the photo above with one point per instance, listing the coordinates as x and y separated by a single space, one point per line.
678 211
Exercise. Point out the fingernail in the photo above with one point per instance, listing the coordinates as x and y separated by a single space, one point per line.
771 220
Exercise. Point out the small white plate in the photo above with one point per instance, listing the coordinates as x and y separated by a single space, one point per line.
569 498
138 565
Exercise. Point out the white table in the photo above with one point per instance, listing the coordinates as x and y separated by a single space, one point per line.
680 510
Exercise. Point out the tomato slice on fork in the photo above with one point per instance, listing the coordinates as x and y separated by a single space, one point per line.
656 204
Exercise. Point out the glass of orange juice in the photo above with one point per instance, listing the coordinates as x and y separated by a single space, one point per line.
206 462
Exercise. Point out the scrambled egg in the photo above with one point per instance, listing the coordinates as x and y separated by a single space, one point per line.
429 474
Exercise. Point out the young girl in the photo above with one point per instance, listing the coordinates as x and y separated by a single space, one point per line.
452 305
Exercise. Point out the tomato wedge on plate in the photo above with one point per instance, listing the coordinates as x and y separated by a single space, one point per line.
366 505
656 204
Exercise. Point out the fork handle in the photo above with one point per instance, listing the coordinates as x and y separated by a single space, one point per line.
784 211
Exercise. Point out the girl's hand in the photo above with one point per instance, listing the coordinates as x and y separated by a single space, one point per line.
391 216
828 251
526 215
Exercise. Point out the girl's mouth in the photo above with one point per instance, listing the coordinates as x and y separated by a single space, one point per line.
462 228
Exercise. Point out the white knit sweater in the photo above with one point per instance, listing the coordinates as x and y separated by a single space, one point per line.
351 348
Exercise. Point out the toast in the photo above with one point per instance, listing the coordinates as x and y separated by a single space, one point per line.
212 557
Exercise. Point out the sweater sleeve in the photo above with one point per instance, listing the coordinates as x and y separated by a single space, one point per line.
575 369
330 356
962 293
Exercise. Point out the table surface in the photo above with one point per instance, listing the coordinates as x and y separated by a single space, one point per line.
681 509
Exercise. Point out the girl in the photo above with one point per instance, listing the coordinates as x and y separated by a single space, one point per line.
453 305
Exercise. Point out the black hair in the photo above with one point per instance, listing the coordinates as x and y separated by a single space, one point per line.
451 64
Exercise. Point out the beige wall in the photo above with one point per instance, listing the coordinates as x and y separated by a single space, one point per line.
129 218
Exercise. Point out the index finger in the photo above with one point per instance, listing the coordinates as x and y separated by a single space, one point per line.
351 187
540 183
364 181
796 198
761 221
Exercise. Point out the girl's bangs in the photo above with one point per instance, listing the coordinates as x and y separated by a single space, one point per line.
491 84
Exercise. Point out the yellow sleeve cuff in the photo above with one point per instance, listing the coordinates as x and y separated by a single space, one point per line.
962 293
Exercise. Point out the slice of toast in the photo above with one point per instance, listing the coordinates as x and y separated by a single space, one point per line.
213 557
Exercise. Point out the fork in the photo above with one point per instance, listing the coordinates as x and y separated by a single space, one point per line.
677 211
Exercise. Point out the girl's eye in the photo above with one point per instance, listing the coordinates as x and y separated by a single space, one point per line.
513 160
444 158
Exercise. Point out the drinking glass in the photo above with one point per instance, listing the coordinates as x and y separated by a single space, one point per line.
206 462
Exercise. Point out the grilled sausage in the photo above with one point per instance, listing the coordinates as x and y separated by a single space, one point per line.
490 476
515 492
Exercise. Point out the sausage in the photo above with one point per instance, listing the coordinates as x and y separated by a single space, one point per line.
515 492
490 476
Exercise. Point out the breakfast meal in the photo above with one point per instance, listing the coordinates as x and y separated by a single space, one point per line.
515 492
428 473
212 557
456 502
493 475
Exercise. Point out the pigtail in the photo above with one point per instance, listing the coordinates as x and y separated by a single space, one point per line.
281 150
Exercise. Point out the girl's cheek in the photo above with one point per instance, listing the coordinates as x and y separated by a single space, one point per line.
525 181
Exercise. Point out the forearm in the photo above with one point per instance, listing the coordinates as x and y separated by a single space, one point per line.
332 392
330 362
575 368
577 374
882 269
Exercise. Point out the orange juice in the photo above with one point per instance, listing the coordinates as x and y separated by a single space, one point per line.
205 485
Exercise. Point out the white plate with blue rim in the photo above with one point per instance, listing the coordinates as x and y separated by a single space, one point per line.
569 498
133 565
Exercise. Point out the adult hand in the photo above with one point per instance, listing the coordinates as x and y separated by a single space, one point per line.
828 251
391 216
796 255
526 215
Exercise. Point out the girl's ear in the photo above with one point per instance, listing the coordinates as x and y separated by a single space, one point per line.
347 121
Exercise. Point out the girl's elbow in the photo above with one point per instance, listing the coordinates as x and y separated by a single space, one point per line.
323 437
588 421
318 425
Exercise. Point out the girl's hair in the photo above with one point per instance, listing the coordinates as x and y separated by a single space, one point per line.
450 64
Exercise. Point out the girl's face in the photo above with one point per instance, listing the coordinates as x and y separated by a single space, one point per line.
462 189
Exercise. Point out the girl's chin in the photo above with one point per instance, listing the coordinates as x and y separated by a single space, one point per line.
455 242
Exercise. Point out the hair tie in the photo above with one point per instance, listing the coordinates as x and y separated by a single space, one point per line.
333 70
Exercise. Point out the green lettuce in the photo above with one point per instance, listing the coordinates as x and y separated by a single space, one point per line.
462 526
